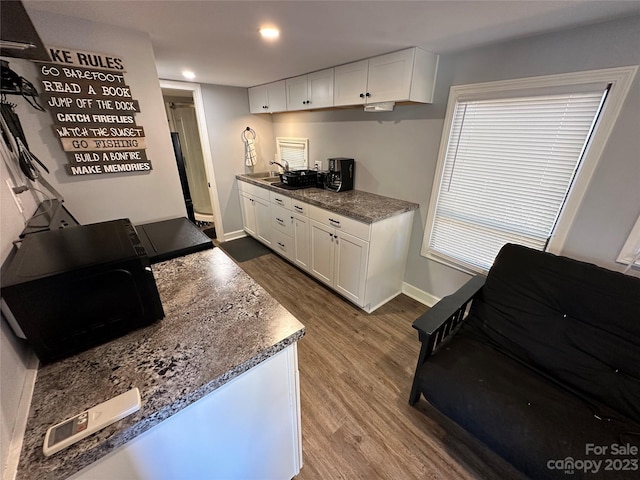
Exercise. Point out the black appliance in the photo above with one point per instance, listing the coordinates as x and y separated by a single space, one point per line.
321 178
182 173
340 175
172 238
70 289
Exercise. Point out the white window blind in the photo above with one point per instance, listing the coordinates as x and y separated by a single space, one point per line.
508 167
294 151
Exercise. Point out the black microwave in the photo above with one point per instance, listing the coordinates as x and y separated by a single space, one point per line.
67 290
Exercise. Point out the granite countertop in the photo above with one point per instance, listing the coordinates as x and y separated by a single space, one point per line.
218 324
363 206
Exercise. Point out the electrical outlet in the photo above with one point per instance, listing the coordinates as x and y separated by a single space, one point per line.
15 197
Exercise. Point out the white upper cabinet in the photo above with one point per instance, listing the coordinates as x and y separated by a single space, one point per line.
351 83
314 90
407 75
269 98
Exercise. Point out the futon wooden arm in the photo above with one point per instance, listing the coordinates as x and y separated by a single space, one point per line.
436 323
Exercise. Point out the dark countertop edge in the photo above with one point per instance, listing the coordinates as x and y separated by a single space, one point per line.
128 432
337 209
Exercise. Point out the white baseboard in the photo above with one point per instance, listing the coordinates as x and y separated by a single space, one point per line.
420 295
234 235
22 415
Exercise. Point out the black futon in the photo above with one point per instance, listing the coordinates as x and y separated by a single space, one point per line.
544 369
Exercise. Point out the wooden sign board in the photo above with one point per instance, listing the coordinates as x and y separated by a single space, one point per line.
66 56
94 112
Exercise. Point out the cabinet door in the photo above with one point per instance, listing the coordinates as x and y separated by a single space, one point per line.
297 95
258 102
350 83
263 220
248 214
249 428
320 88
390 77
351 256
277 97
301 242
322 261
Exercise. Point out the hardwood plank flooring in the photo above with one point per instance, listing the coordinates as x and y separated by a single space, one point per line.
355 375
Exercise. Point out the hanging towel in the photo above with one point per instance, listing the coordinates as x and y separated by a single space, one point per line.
250 152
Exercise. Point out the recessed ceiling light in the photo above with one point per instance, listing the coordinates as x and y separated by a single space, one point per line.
269 33
189 75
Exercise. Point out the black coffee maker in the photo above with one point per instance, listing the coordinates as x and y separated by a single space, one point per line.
339 178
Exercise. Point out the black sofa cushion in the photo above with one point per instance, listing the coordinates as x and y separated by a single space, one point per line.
574 321
520 414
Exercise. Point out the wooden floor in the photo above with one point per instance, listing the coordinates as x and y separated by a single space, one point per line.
355 376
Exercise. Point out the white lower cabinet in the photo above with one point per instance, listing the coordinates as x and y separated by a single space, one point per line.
248 428
363 262
290 229
339 260
256 213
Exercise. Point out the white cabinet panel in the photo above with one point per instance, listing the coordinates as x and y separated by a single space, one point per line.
248 214
314 90
322 255
320 88
263 220
301 240
351 255
350 83
297 95
407 75
248 428
282 244
389 77
340 260
269 98
256 215
282 220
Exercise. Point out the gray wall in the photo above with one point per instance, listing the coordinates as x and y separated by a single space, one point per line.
227 116
396 152
140 196
14 353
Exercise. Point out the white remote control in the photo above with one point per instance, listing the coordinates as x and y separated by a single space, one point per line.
76 428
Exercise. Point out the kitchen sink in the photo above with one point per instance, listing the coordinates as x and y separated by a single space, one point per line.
271 179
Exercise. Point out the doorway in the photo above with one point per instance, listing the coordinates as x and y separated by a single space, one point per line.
182 120
185 115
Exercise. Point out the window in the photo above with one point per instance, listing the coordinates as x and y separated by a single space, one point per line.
295 151
514 157
630 253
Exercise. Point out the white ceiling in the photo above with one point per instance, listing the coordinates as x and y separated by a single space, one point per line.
219 40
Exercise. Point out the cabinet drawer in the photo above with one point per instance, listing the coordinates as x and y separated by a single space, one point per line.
280 200
253 190
299 207
341 223
281 220
282 244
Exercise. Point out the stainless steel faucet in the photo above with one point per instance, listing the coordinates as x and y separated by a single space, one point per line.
285 167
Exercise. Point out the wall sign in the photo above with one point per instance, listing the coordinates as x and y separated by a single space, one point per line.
93 111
